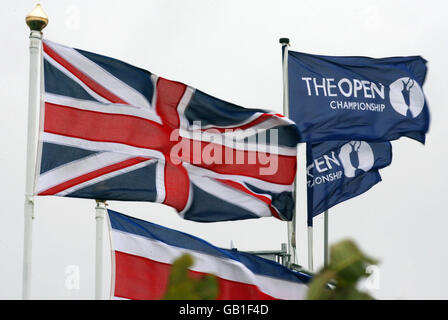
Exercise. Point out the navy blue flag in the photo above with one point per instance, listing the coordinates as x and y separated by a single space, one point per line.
341 170
361 98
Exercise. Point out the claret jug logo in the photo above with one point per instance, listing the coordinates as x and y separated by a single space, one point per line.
354 156
352 159
406 97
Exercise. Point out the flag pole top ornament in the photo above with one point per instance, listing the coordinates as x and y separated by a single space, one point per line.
284 41
37 20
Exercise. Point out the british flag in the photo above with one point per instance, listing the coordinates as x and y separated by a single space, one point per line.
112 131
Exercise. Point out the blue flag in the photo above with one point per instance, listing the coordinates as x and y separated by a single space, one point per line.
340 170
361 98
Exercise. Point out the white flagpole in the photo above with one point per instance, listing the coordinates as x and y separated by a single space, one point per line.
100 214
310 228
326 254
310 248
292 224
36 21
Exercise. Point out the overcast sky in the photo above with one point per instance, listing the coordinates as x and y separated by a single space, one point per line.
230 49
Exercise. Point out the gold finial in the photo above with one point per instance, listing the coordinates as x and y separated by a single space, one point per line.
37 19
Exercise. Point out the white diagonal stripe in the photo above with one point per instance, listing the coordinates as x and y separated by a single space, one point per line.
106 176
102 146
61 68
231 195
77 168
103 77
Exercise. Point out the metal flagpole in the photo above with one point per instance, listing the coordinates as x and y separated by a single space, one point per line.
326 255
36 20
100 214
309 197
310 248
292 224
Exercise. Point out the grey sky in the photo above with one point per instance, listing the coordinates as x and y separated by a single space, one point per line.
230 49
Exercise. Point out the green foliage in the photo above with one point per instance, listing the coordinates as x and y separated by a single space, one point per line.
181 286
347 266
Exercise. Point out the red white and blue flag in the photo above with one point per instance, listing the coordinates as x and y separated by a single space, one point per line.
144 252
112 131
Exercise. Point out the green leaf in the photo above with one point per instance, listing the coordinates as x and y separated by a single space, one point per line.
346 268
183 286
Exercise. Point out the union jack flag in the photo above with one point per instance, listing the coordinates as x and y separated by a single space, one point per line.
112 131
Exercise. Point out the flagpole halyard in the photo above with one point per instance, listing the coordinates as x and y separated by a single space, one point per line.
291 225
36 20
